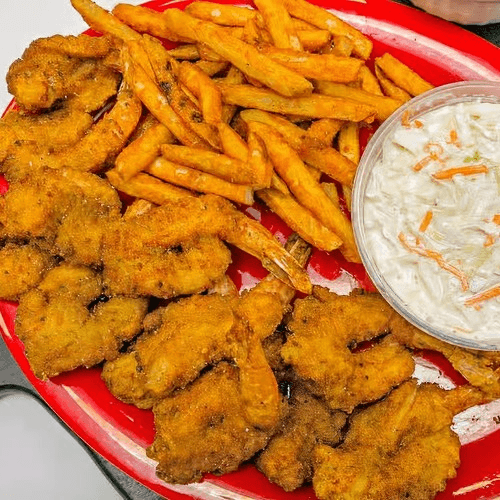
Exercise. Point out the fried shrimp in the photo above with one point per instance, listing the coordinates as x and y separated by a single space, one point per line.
64 325
325 328
204 429
401 447
61 204
178 222
56 68
287 459
480 368
180 342
21 268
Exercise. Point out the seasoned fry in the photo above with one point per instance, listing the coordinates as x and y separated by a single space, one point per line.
390 89
314 106
145 20
189 51
342 46
313 40
240 54
226 15
300 219
258 159
141 152
368 81
201 182
220 165
326 159
148 188
211 68
327 21
324 130
306 189
101 20
279 24
402 75
349 142
384 106
234 75
319 66
232 143
152 97
200 84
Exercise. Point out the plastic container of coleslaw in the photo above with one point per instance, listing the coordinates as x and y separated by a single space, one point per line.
426 212
463 11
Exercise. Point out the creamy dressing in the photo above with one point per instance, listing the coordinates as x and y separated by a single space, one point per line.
432 232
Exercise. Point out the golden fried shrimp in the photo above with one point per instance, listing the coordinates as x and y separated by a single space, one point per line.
325 328
61 202
287 459
55 68
21 268
194 332
480 368
204 429
401 447
182 220
64 325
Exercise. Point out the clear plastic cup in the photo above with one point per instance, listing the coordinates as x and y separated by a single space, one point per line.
474 91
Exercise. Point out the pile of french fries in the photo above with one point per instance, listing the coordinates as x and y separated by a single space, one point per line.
258 102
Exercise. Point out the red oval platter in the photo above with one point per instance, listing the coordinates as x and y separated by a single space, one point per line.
441 53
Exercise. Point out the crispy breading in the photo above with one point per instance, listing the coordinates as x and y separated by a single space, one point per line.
325 328
21 268
203 429
287 459
63 329
401 447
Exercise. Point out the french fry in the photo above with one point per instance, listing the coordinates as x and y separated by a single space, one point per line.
242 55
326 159
199 181
279 24
189 52
306 189
313 40
318 66
200 84
258 160
226 15
232 143
157 103
148 188
300 24
141 152
390 88
323 19
278 185
347 192
220 165
348 142
331 191
314 106
235 76
368 81
402 75
104 22
211 68
300 220
342 46
324 130
384 106
144 20
254 35
207 54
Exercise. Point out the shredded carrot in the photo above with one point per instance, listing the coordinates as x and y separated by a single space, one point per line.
418 124
496 219
481 297
454 138
422 163
405 119
436 256
462 170
434 148
425 222
489 240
